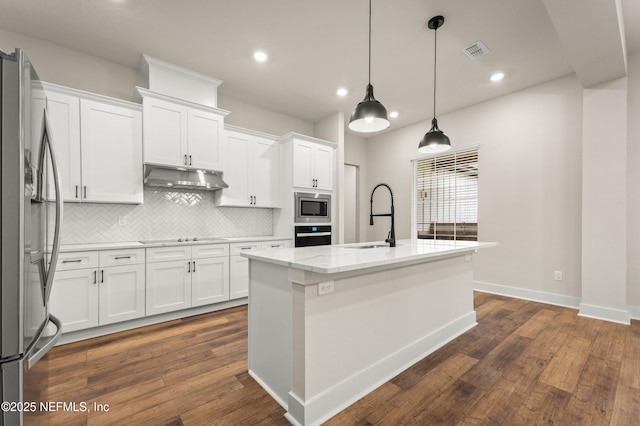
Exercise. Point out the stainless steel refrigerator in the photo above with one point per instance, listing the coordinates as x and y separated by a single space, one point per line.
30 231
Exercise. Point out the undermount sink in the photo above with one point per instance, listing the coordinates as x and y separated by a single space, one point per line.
367 246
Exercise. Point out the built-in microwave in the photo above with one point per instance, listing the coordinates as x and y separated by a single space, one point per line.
312 207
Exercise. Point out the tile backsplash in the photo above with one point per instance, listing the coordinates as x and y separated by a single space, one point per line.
165 213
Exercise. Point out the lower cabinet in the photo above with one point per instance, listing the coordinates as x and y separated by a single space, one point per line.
179 277
98 288
95 288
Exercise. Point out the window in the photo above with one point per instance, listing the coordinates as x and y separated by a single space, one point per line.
446 196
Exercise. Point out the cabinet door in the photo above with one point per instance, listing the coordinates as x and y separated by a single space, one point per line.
303 164
323 167
111 153
168 286
209 280
164 132
236 170
63 112
263 158
204 135
122 293
74 299
238 277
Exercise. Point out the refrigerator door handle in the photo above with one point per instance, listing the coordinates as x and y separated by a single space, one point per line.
46 140
42 351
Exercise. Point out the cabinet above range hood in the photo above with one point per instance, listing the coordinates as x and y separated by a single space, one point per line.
182 178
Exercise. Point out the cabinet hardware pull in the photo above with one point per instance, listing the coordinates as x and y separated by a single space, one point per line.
85 191
122 257
189 160
194 266
95 277
189 267
245 248
76 191
72 261
185 159
102 276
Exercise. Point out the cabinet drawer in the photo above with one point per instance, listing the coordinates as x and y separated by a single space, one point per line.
237 248
121 257
77 260
275 244
165 254
209 250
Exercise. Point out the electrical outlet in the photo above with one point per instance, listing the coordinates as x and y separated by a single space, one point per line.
325 287
557 275
122 220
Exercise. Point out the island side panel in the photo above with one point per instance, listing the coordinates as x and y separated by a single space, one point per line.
269 338
370 328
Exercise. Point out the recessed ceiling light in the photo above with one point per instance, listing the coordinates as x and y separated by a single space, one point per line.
260 56
342 92
497 76
393 114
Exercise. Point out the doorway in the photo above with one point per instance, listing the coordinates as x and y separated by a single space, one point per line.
351 210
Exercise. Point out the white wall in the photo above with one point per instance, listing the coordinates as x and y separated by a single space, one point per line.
60 65
633 179
355 153
529 182
67 67
604 201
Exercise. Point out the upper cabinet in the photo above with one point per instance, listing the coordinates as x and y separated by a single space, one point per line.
98 145
180 133
250 168
312 165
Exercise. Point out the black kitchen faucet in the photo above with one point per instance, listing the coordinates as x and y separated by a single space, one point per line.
391 239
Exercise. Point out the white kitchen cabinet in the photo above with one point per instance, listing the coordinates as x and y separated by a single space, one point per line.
98 144
239 265
168 286
122 293
250 168
210 274
312 165
179 133
179 277
97 288
74 299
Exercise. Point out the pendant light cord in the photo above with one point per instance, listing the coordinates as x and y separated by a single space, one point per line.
369 41
435 61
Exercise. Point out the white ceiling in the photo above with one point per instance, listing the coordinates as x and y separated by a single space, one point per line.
317 46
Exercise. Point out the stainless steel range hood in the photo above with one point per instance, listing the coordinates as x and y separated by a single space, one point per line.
182 178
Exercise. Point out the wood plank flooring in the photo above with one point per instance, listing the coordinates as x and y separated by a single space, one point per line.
525 363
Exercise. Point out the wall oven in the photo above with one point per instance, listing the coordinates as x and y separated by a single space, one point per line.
313 235
312 207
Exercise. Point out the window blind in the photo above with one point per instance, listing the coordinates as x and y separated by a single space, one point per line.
446 196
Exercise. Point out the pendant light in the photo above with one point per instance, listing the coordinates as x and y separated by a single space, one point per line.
434 140
369 115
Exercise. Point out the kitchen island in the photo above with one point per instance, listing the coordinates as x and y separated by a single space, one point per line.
329 324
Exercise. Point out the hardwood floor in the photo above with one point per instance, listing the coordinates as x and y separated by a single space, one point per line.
525 363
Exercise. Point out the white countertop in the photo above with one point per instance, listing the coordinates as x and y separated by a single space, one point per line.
138 244
347 257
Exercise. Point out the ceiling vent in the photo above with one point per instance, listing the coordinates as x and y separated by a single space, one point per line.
475 50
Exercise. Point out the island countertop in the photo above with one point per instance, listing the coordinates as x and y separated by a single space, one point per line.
350 257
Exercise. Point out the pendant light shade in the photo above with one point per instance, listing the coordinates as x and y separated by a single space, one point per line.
369 115
434 140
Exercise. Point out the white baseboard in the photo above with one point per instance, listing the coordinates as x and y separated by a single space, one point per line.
533 295
322 407
585 310
634 312
604 313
